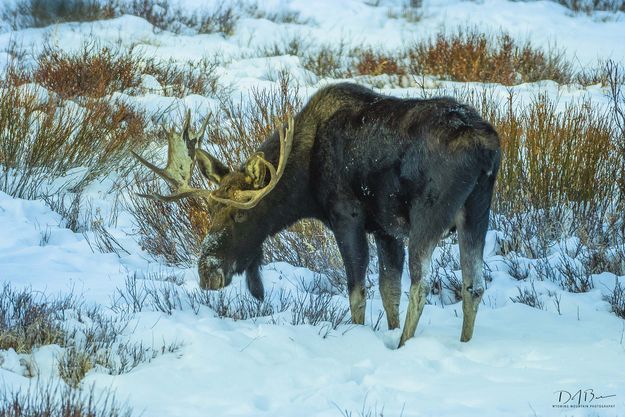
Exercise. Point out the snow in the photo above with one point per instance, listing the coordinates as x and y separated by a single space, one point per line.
519 358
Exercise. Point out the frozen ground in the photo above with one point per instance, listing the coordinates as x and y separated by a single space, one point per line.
516 364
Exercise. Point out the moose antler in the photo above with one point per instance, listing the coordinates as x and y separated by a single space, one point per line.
181 157
246 199
180 163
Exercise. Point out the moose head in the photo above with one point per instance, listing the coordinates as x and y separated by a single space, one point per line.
228 247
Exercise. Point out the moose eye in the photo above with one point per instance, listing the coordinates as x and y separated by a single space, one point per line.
238 216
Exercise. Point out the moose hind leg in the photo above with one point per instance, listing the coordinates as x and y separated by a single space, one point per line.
391 261
472 224
420 254
428 222
424 234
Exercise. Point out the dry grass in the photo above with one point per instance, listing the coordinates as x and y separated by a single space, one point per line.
616 79
370 62
243 125
236 306
40 13
29 320
469 55
193 77
465 55
74 365
59 401
327 61
313 305
410 11
91 337
555 158
529 296
560 174
617 299
590 6
95 71
41 138
283 15
78 125
92 72
161 14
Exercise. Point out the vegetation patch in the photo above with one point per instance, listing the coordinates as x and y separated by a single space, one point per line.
54 400
469 55
28 319
617 299
590 6
42 138
465 55
92 71
160 13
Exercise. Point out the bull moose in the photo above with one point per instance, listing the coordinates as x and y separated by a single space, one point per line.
360 162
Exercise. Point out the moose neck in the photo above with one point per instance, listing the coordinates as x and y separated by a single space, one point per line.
290 201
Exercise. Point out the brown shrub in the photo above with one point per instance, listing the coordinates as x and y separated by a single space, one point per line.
172 231
180 80
469 55
95 72
40 139
327 61
556 158
369 62
560 172
92 72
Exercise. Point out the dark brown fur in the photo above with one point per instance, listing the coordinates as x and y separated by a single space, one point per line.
368 163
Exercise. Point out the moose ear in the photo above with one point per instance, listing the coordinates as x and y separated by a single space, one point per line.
210 166
256 169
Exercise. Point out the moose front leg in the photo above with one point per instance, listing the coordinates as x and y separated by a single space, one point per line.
349 231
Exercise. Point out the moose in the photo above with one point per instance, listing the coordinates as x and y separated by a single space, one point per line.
361 163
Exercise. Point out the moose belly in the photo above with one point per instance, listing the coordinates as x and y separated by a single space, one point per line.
388 214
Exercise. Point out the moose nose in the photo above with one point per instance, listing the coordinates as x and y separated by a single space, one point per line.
212 280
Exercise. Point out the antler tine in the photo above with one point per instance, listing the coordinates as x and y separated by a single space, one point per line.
192 192
286 143
202 130
187 121
252 197
180 163
160 172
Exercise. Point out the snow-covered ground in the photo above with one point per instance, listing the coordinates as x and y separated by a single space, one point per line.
520 360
